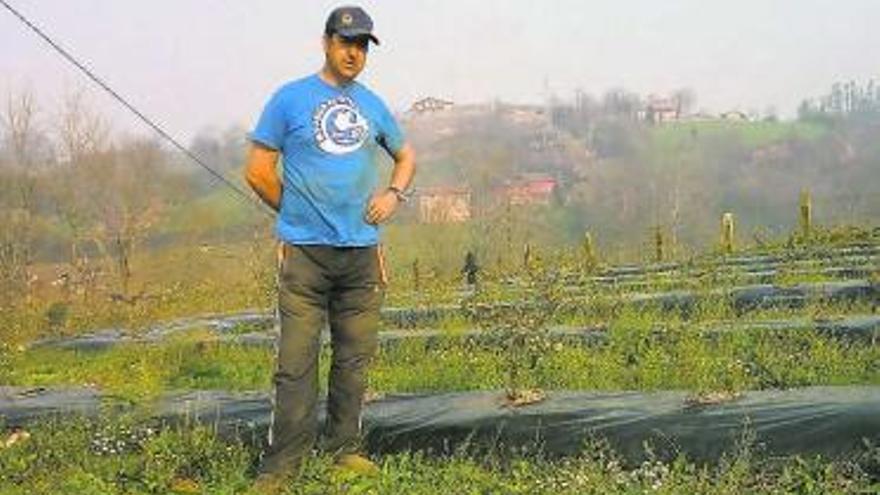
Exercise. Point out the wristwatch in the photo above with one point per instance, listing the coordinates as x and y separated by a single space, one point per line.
401 196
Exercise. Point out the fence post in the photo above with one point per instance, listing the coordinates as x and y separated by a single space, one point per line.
659 242
527 256
417 276
589 250
727 227
806 218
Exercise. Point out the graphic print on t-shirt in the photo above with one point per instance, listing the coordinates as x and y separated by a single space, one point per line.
339 126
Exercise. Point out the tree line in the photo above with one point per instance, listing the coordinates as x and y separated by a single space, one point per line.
74 193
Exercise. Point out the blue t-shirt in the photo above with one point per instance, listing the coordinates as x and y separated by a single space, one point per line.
329 138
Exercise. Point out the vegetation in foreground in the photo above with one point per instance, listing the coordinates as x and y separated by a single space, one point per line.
118 457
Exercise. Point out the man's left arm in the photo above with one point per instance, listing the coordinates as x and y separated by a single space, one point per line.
384 203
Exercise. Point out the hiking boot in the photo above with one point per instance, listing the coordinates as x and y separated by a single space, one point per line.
270 484
357 464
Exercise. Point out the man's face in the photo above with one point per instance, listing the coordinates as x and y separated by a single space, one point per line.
346 57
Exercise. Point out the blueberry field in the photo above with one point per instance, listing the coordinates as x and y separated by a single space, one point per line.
757 371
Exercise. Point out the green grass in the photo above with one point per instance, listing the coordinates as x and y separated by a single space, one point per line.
121 456
214 212
637 358
753 134
640 355
143 372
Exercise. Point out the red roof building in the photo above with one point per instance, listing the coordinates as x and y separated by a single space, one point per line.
453 204
529 190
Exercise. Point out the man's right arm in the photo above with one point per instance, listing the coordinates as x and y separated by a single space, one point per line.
262 176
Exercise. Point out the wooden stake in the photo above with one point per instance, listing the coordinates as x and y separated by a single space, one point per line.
589 250
806 218
417 279
727 233
527 256
658 244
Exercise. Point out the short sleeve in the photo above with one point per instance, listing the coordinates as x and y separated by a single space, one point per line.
389 136
271 127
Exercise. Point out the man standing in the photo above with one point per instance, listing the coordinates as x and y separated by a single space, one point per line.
328 129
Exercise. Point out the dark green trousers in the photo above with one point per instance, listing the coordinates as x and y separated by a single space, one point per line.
321 285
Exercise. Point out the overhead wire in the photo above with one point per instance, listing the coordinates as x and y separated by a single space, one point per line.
125 103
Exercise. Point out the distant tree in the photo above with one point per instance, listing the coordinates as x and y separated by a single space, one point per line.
83 137
836 99
619 103
805 110
130 202
221 150
18 208
615 138
684 99
81 131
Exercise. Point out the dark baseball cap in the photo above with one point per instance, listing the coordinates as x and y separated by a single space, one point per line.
350 22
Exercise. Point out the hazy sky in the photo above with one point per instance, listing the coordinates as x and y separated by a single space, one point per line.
197 63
